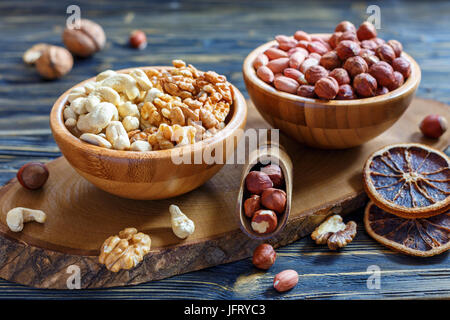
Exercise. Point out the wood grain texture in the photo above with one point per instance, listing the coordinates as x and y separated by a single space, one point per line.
218 35
80 216
330 124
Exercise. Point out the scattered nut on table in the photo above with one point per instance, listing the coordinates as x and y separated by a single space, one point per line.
33 175
264 256
31 55
334 232
182 226
54 62
15 218
124 251
85 40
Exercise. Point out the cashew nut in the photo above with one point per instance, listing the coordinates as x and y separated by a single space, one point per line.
152 94
96 140
130 123
105 74
122 83
141 145
117 135
128 109
105 94
142 79
182 226
76 93
98 119
15 218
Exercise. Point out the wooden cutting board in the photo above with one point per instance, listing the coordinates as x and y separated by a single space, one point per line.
80 216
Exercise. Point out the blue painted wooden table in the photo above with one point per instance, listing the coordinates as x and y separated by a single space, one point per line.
217 35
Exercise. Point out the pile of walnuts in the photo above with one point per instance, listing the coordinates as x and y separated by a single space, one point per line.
348 64
151 109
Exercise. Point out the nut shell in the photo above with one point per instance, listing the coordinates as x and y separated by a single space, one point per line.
54 62
86 40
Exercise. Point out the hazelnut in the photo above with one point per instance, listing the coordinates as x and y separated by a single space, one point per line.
274 199
306 91
264 256
399 80
264 221
346 93
334 39
285 280
275 174
369 56
433 126
366 31
381 90
403 66
317 47
345 26
315 73
356 65
386 53
383 73
365 85
326 88
379 41
330 60
138 39
348 35
369 44
397 46
54 62
32 175
346 49
302 35
86 40
341 76
251 205
257 181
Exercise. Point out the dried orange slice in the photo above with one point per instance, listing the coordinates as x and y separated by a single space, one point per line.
417 237
409 180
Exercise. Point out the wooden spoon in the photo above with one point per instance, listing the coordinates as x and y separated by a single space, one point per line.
270 153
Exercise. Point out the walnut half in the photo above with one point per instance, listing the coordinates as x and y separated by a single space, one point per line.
334 232
124 251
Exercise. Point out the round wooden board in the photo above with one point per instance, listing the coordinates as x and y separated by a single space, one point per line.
81 217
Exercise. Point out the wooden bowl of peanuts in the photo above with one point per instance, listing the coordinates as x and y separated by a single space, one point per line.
327 124
162 156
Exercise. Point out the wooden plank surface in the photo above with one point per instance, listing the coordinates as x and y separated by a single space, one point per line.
218 35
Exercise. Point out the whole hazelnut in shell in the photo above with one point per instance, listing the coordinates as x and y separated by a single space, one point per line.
85 40
32 175
251 205
383 73
366 31
54 62
274 199
365 85
257 181
275 174
341 76
403 66
264 221
356 65
264 256
315 73
326 88
346 49
433 126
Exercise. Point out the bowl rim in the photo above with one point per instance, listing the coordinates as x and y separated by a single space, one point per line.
249 72
59 129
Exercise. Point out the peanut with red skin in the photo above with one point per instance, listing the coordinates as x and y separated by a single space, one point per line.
278 65
296 75
285 280
285 42
303 44
308 63
296 59
265 74
317 47
275 53
261 60
302 35
286 84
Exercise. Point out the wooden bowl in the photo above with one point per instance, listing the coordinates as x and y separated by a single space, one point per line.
146 175
334 124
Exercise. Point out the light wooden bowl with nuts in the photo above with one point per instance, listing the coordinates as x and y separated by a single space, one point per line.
146 175
328 124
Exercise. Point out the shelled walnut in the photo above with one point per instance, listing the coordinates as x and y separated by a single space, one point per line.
124 251
334 232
